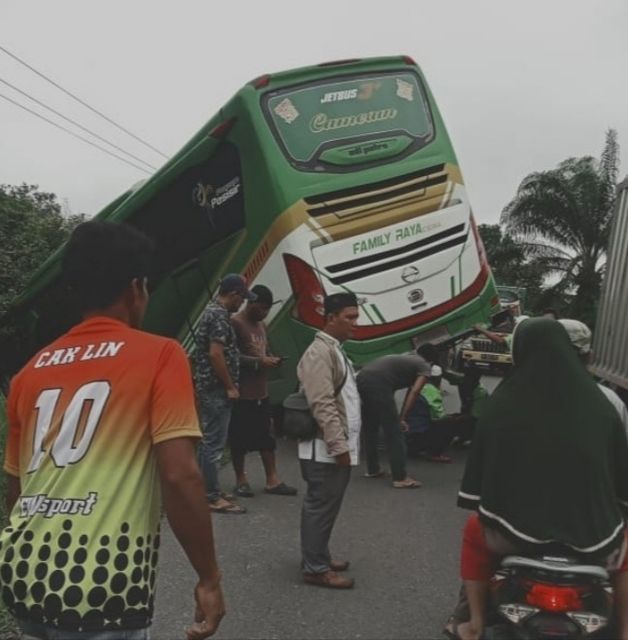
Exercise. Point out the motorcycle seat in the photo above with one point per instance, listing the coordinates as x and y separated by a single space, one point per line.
560 565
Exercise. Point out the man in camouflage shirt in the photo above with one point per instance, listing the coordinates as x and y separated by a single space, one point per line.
217 372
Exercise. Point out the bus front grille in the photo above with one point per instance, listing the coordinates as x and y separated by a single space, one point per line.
393 258
400 189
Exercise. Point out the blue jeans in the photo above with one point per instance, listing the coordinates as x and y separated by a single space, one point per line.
38 631
214 412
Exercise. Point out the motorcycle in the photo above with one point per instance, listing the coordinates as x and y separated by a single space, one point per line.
549 597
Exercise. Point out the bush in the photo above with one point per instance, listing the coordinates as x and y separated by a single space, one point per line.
7 624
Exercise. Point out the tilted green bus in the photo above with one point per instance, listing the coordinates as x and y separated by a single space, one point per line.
336 177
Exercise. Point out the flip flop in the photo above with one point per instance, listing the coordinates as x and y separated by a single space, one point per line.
236 509
379 474
282 489
452 633
441 459
405 484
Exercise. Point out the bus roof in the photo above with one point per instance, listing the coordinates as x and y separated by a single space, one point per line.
329 69
124 206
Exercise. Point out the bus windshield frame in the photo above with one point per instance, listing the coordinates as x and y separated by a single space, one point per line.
317 164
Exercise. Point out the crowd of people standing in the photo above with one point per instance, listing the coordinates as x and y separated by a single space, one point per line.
101 414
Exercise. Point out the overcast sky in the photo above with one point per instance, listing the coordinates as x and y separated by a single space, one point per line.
521 85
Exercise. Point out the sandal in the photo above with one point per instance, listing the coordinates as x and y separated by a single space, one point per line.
406 484
451 629
228 508
243 490
441 459
282 489
378 474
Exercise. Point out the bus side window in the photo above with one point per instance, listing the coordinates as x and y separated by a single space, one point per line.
200 208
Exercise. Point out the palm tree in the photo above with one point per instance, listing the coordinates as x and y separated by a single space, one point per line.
563 216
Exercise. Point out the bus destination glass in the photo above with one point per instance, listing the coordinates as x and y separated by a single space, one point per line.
331 121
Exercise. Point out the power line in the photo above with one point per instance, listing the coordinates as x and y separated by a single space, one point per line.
80 126
102 115
72 133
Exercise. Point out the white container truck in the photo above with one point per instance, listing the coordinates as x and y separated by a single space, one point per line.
610 343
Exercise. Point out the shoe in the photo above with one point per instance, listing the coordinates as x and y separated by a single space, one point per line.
243 490
329 579
282 489
339 565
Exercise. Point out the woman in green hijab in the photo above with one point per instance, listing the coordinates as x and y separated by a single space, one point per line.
548 469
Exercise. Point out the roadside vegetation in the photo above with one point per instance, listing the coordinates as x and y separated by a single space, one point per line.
7 626
555 230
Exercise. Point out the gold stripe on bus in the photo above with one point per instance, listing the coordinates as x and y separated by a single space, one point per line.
327 227
316 228
292 218
454 173
387 217
393 211
439 190
433 193
382 191
455 178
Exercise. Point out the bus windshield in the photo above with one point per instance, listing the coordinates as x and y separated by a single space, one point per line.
348 121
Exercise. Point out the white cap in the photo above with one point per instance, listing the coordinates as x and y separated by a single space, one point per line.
579 334
436 372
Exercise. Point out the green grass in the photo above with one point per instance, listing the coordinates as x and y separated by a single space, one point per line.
7 624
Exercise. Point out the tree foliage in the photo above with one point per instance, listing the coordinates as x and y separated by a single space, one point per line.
32 226
512 267
562 218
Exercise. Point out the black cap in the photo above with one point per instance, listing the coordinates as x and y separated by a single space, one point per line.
263 295
235 283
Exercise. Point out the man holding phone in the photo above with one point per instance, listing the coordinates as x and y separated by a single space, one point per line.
250 426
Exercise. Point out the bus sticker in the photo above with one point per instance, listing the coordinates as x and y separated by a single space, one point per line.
405 90
286 110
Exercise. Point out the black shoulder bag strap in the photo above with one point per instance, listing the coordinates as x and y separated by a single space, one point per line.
346 375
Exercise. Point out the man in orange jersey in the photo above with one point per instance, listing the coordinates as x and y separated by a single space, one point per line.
95 419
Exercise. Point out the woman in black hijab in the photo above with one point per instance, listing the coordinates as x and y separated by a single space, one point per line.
548 469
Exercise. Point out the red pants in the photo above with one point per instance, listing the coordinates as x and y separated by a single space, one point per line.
480 563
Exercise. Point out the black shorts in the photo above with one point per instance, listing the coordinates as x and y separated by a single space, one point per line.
249 429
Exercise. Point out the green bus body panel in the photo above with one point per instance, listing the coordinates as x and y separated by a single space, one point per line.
270 186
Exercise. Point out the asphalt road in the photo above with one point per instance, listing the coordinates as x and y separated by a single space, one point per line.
403 546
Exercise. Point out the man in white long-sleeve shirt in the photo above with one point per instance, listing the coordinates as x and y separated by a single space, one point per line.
329 384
